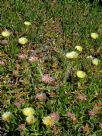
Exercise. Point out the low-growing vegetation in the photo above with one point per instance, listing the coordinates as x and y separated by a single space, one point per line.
50 68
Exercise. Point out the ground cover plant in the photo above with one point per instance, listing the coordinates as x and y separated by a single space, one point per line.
50 68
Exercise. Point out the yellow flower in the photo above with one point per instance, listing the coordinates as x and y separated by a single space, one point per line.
79 48
72 55
94 35
27 23
23 40
5 33
89 57
28 111
95 61
81 74
7 116
30 119
48 121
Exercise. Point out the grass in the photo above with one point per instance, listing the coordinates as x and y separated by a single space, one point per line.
57 27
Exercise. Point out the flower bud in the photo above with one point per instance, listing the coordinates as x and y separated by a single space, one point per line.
79 48
5 33
7 116
28 111
81 74
30 120
94 35
23 40
95 61
48 121
27 23
72 55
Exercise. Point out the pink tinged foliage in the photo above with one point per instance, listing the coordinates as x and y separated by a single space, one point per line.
47 79
41 96
21 101
33 59
100 125
55 129
91 113
72 117
2 63
69 114
17 95
17 104
82 97
22 56
21 127
55 116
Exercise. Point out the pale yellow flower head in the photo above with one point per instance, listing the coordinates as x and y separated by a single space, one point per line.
81 74
28 111
79 48
30 120
5 33
90 57
72 55
95 61
48 121
23 40
7 116
27 23
94 35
